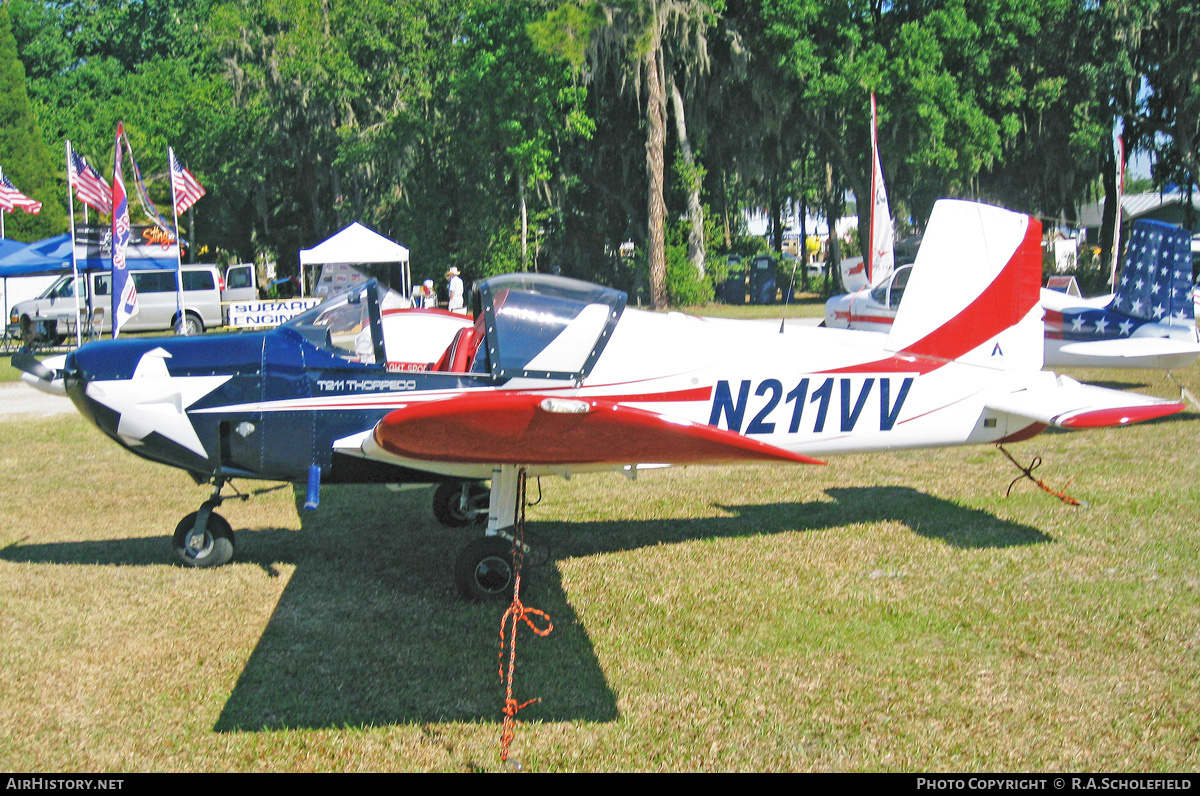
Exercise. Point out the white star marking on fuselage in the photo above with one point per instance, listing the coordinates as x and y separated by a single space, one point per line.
153 400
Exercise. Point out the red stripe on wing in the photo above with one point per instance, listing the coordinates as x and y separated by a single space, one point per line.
513 428
1121 416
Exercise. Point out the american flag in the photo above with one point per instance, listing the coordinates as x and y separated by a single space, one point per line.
10 197
1155 286
186 188
89 186
1156 279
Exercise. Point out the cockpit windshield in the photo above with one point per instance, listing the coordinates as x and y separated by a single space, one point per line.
347 324
531 326
545 327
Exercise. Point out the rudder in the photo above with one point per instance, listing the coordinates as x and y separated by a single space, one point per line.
973 295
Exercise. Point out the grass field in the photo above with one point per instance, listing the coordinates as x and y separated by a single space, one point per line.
889 612
805 305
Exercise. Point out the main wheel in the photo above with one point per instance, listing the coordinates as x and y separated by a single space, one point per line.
212 547
484 570
448 506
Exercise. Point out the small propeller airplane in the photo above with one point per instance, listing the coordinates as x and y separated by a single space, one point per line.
1150 321
558 376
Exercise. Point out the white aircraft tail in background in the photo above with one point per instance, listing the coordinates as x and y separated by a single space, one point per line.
879 256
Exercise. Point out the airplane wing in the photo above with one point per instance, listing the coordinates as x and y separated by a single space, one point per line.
1129 352
532 429
1068 404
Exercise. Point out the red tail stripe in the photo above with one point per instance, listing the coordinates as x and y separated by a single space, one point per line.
1012 294
1009 298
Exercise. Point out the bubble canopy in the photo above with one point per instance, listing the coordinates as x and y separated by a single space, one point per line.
545 327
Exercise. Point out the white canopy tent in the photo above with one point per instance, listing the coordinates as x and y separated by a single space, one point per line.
357 245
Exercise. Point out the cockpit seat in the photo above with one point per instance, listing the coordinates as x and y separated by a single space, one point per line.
458 356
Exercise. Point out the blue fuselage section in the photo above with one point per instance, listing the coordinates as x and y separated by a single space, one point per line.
265 405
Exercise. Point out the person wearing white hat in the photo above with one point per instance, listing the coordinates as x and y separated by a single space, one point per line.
454 284
428 295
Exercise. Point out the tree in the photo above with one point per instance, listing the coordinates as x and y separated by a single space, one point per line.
24 156
514 111
637 44
1171 67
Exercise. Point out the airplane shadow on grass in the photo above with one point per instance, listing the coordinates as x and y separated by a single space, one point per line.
370 631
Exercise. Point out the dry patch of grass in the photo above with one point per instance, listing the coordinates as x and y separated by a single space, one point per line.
891 612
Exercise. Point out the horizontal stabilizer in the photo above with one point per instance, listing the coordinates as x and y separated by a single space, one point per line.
1129 352
1068 404
528 429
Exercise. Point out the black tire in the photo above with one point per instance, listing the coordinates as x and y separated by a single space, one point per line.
29 334
213 548
192 324
484 570
447 505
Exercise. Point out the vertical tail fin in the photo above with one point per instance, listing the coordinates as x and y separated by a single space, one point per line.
974 291
1156 278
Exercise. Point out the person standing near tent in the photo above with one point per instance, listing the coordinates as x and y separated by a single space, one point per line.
427 294
454 285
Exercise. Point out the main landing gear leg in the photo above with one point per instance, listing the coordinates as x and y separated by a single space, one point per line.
484 570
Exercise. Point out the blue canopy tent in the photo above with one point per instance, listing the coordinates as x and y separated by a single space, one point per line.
52 256
9 246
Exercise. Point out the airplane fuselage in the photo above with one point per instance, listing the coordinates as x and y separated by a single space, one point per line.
269 405
253 405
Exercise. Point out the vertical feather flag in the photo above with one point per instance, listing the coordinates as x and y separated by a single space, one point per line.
1119 155
882 256
124 292
143 196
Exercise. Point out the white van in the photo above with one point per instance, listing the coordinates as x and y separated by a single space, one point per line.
51 317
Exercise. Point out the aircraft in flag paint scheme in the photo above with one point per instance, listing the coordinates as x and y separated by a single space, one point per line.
1150 322
557 376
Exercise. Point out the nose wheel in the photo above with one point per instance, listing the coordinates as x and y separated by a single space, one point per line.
203 541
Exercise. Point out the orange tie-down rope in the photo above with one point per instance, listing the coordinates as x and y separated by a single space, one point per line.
517 612
1027 472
